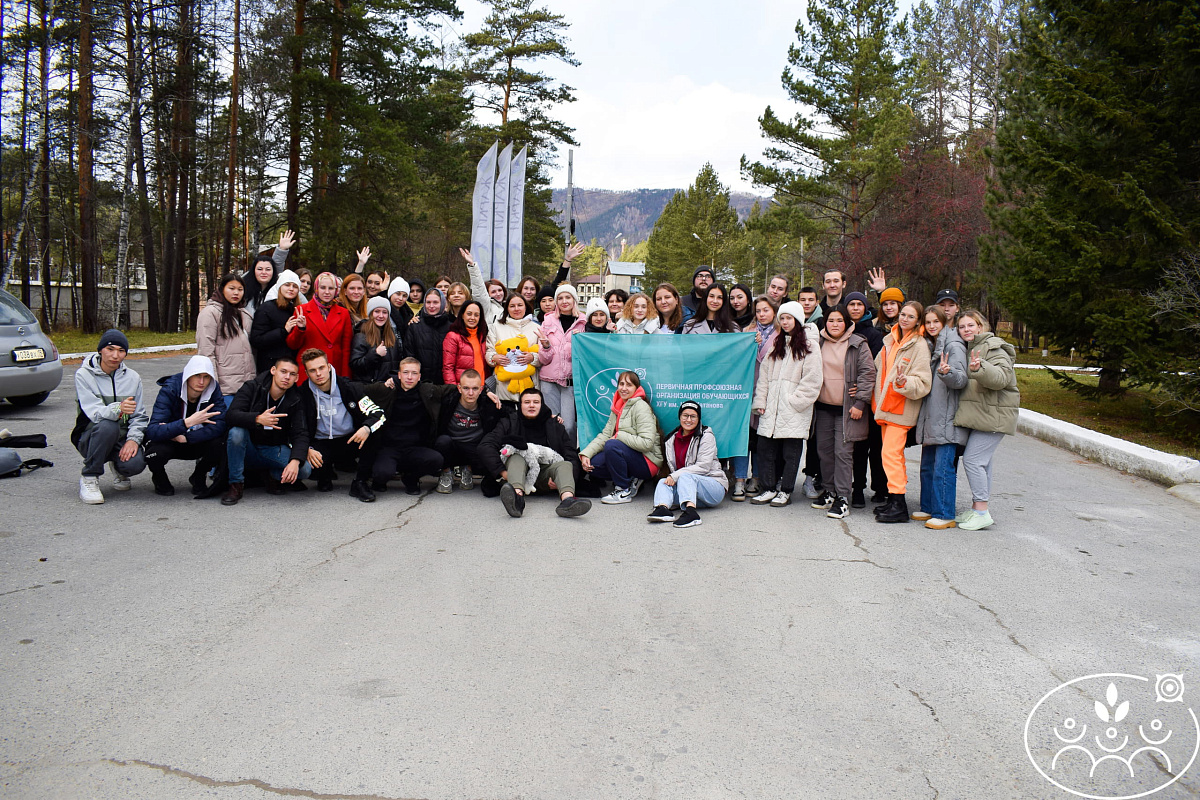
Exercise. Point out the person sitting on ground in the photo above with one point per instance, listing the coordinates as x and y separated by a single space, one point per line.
188 424
406 440
375 350
597 317
341 417
639 315
267 430
694 474
111 420
324 325
628 450
462 422
533 424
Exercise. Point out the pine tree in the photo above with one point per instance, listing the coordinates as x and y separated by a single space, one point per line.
1097 162
697 227
845 69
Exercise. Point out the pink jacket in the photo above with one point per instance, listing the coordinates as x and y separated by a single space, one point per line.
557 368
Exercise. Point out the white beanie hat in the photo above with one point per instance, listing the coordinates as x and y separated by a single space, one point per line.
795 310
569 289
594 305
397 285
287 276
377 302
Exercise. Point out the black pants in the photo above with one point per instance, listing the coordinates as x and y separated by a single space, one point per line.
339 450
768 450
812 457
207 455
410 460
870 451
459 454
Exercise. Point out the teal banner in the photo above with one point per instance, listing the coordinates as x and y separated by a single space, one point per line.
716 370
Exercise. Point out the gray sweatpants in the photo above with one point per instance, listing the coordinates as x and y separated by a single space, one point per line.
837 456
100 443
561 472
977 463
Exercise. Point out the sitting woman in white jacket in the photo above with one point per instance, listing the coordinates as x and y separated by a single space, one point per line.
695 476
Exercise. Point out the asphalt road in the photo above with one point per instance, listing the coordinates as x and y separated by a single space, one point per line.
314 646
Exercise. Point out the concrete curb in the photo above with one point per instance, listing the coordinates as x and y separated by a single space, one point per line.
1136 459
162 348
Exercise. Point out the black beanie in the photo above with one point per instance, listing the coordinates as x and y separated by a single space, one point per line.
113 336
694 406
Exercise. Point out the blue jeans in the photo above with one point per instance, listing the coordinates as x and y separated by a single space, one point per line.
244 453
699 490
561 401
619 463
939 481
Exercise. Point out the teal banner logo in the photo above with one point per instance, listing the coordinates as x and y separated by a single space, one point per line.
716 370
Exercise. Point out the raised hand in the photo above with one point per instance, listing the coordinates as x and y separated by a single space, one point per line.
364 256
466 254
286 240
575 251
876 279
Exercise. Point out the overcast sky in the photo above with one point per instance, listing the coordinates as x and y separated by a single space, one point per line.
665 85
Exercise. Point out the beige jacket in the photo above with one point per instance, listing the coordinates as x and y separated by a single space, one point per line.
786 389
233 358
893 404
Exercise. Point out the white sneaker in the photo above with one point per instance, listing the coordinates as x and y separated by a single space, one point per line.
810 488
121 483
618 496
764 498
467 479
781 500
89 490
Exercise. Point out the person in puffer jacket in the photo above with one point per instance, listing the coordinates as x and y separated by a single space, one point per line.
188 424
375 348
936 432
989 406
695 477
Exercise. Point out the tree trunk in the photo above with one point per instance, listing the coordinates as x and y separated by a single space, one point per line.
234 103
293 178
48 320
87 202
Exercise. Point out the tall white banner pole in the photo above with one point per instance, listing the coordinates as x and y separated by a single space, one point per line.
500 217
516 217
481 210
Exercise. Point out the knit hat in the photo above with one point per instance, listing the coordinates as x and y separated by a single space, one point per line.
287 276
859 296
594 305
694 406
399 285
545 291
378 302
795 309
703 268
891 293
568 289
113 336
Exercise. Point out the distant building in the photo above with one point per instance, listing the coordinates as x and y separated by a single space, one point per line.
627 275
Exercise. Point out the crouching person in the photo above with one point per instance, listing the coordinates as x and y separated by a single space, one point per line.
112 419
533 425
695 476
267 430
188 424
408 433
342 419
464 418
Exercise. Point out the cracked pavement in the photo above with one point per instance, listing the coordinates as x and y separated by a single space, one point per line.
313 646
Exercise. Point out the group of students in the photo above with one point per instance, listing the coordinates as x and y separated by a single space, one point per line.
385 377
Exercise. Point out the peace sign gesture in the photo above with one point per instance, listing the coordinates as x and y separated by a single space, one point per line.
944 367
976 361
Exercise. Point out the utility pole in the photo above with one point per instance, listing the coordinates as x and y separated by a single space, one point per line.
569 221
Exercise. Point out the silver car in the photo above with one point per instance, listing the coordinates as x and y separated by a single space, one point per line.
29 364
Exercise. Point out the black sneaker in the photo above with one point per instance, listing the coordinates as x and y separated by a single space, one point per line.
688 519
413 486
858 499
661 514
824 501
514 503
570 507
880 497
362 491
162 484
839 509
379 486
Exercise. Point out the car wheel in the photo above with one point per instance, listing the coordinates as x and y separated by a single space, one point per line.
29 399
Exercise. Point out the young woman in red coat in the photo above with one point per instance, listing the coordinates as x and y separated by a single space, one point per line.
465 344
325 325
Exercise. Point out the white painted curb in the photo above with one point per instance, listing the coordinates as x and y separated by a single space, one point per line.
162 348
1136 459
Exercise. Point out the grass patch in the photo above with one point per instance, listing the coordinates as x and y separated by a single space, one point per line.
71 340
1138 416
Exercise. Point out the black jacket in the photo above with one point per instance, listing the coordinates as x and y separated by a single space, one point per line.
868 331
518 431
367 366
443 411
423 341
268 336
363 409
254 398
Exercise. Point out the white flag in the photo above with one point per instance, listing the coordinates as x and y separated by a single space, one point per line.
481 210
500 219
516 217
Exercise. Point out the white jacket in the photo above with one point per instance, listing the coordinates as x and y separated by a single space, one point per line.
787 389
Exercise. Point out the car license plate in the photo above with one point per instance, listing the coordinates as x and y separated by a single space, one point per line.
24 354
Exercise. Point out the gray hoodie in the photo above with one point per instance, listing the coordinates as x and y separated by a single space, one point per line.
99 396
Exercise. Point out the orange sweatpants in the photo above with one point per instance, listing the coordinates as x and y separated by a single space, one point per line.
892 455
